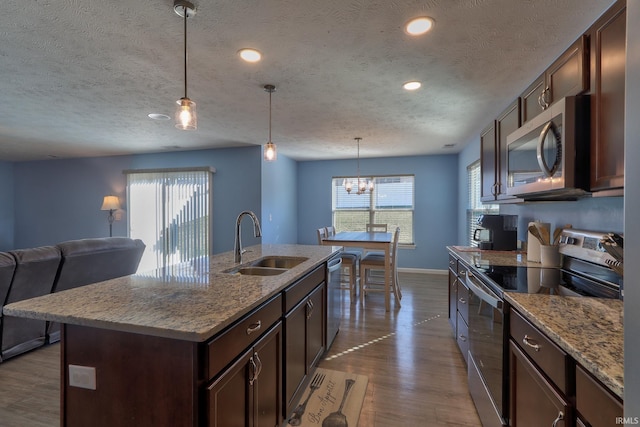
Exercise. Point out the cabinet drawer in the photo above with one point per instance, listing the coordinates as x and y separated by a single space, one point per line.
463 298
549 357
462 337
226 347
296 292
596 405
453 264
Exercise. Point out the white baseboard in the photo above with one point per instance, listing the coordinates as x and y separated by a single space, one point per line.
423 271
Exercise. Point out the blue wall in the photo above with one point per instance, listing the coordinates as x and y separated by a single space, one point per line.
57 200
6 206
279 201
436 201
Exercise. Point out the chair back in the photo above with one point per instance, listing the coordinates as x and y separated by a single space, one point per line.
322 234
331 231
394 248
377 227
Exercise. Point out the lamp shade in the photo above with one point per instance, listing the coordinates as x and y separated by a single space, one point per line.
110 203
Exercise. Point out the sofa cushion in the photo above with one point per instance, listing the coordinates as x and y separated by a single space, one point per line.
87 261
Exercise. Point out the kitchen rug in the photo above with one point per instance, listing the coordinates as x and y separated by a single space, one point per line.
332 399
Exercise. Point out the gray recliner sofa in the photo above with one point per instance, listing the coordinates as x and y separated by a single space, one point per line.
28 273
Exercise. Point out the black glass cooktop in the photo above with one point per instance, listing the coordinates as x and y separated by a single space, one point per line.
553 281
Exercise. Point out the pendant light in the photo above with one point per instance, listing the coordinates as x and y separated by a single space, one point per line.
270 153
362 185
186 117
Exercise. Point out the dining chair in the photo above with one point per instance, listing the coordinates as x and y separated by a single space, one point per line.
350 261
375 261
377 227
322 234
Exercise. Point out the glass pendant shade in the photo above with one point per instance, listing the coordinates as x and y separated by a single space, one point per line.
186 116
270 152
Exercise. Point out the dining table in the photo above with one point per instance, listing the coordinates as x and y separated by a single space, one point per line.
373 240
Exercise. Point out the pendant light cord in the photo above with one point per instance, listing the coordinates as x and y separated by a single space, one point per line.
185 51
270 92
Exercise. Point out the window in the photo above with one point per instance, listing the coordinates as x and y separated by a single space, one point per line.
391 203
476 208
169 210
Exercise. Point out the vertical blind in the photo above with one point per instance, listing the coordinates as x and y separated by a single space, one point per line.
475 207
169 210
391 203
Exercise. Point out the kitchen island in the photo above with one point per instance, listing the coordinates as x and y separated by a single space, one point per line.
174 347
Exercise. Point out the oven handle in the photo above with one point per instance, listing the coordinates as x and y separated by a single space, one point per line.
485 295
550 127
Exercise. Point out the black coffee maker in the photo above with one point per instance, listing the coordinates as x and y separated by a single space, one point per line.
497 232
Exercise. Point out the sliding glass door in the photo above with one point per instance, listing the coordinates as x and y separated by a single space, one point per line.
170 211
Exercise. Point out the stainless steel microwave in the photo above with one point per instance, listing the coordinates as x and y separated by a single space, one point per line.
548 157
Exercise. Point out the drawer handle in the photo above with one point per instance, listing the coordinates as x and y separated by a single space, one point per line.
309 309
253 367
462 338
462 300
532 343
559 418
254 327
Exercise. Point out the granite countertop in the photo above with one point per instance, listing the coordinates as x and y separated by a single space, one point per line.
588 329
187 302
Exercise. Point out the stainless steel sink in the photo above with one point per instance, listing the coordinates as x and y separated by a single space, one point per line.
267 266
285 262
257 271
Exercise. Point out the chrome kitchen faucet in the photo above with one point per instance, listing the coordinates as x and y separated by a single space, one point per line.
257 232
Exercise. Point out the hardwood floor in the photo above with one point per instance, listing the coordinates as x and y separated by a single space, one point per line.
417 376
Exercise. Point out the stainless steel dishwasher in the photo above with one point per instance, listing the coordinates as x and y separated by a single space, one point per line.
334 298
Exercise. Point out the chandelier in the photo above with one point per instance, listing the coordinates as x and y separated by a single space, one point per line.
362 185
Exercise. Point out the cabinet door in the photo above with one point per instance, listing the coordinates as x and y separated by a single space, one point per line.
595 404
569 74
315 327
295 356
531 100
508 122
453 298
607 103
248 393
534 401
488 163
228 396
267 386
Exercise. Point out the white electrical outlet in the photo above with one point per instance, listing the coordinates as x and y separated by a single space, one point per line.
82 377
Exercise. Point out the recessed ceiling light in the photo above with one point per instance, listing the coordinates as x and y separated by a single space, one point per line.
412 85
158 116
250 55
419 26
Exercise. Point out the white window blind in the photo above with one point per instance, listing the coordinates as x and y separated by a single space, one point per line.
169 210
391 203
476 207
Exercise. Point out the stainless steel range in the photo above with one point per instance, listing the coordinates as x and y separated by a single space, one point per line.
586 271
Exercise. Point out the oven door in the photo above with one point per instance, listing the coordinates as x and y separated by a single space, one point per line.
487 376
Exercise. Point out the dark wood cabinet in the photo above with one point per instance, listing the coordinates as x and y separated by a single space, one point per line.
596 406
566 76
247 394
534 400
488 163
453 292
304 338
493 154
608 46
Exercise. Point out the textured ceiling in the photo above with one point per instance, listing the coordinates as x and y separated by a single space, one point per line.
78 77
